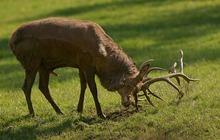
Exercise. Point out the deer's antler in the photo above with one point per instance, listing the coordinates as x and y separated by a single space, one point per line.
172 74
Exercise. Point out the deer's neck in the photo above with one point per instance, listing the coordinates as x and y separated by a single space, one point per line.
117 69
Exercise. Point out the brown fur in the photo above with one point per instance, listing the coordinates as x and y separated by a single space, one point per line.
44 45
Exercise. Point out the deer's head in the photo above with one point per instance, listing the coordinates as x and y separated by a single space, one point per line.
133 85
141 82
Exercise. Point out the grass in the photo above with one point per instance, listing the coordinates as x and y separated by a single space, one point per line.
144 29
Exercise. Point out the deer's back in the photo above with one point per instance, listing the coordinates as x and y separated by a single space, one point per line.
78 32
61 40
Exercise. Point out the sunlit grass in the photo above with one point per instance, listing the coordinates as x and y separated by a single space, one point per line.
145 30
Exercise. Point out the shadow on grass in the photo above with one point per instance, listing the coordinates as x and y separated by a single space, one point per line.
32 131
44 127
5 51
33 128
177 28
9 71
71 11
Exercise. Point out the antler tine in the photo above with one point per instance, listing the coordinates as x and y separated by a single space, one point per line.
148 98
173 68
181 61
150 70
145 63
155 95
186 78
154 80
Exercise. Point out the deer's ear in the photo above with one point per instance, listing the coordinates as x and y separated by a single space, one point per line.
143 70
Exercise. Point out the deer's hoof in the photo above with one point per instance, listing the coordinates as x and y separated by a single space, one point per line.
102 116
60 113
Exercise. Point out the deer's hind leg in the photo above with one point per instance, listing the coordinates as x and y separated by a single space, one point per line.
27 86
26 53
43 86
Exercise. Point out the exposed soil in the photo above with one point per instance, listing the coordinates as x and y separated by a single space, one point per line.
120 114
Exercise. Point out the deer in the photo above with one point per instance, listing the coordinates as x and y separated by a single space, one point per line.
44 45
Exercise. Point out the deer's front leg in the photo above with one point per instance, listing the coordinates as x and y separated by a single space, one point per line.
90 78
82 92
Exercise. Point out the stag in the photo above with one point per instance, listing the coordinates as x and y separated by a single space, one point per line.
44 45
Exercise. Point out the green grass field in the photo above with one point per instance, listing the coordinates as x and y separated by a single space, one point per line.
144 29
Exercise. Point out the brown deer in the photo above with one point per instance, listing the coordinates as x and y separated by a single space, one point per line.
44 45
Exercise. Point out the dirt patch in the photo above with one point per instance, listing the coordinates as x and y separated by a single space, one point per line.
120 115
